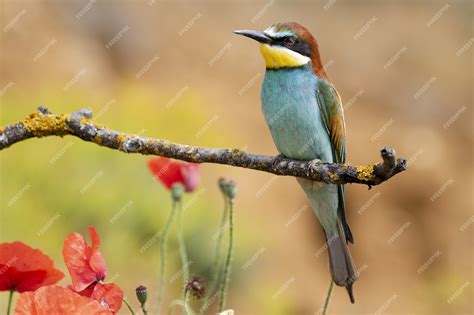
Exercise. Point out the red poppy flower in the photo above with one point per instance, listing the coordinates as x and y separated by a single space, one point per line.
23 268
87 268
84 262
57 300
170 171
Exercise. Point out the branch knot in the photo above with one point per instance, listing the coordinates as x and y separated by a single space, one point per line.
132 145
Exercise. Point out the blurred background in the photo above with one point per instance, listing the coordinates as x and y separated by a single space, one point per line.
174 70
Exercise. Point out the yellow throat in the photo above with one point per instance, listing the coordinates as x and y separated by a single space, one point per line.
281 57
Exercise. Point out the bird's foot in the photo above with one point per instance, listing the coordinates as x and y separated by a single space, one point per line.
312 165
276 160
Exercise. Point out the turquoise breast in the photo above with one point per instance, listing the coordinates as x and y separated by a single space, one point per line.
292 114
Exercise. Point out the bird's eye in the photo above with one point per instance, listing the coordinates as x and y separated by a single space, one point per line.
289 41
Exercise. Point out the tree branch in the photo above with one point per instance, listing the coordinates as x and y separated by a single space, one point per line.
79 124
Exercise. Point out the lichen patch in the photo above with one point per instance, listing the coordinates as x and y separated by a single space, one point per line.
333 177
41 125
365 173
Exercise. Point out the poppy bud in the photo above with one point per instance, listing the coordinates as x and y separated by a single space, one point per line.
228 188
177 191
196 287
142 294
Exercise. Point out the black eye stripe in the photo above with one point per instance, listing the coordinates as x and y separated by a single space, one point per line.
286 38
296 45
302 48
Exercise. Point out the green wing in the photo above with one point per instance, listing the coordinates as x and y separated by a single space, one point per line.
332 114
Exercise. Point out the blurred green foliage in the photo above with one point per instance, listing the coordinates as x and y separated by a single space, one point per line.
52 187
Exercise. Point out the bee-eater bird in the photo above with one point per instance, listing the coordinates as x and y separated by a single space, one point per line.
304 113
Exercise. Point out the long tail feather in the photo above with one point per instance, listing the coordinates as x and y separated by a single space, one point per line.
342 266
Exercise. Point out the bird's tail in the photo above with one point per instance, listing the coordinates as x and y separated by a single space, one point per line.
327 205
342 266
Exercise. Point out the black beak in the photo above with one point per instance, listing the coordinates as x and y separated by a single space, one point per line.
256 35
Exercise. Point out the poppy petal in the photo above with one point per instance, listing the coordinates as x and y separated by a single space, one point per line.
109 295
167 171
86 292
97 262
77 256
191 176
57 300
25 269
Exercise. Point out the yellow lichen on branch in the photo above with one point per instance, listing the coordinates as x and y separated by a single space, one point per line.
333 177
366 173
121 139
41 125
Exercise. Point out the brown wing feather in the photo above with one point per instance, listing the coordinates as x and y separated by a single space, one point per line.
332 113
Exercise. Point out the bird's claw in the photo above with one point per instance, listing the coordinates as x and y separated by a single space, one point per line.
312 165
276 160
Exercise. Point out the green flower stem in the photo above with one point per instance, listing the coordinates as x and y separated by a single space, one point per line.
183 304
182 245
10 299
225 280
145 312
129 307
163 253
216 266
328 297
187 311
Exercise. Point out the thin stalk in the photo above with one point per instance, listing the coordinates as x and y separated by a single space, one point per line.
145 312
181 303
328 297
216 268
182 245
163 253
187 311
10 299
129 307
225 280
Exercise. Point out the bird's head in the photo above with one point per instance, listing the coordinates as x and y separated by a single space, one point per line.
287 45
